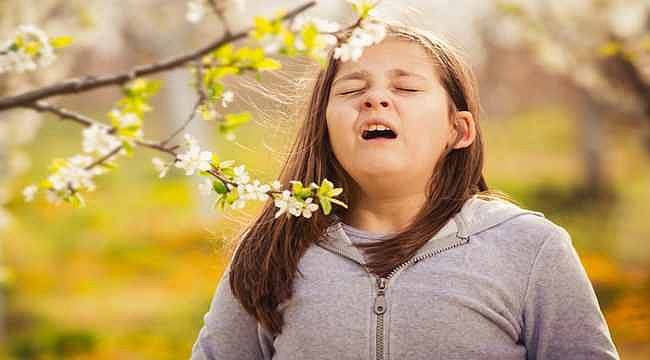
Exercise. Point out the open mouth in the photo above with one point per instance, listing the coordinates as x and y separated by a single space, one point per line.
378 134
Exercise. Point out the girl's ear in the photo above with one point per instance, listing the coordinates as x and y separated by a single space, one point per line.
464 123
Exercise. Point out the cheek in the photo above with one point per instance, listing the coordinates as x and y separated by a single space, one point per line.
340 119
428 133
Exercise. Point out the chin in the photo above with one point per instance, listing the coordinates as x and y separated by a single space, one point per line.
379 169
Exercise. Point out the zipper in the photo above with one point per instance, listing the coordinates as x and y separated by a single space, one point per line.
382 284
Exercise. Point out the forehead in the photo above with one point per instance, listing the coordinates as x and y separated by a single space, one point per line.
392 53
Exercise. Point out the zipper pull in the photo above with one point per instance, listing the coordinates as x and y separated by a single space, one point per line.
381 283
380 300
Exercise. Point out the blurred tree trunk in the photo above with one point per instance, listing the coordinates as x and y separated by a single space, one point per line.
592 145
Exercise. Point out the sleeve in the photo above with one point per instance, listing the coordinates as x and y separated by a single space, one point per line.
228 331
562 317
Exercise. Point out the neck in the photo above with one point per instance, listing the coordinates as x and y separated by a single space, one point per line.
385 213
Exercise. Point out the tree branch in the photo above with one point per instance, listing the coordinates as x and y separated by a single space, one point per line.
92 82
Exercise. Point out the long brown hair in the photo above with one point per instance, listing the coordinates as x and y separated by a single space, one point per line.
265 263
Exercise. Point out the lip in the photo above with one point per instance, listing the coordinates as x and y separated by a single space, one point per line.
377 121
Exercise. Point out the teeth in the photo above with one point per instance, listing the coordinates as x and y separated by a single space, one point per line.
374 127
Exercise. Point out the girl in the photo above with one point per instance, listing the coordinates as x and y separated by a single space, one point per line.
426 262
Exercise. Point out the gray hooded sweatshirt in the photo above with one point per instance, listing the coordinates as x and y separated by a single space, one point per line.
496 282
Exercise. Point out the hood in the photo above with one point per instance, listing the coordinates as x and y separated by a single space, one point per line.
479 213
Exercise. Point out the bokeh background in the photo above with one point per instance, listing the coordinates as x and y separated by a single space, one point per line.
131 275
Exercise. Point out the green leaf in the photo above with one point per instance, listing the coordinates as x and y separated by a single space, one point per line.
363 7
109 165
509 8
231 197
57 164
261 27
219 186
216 73
289 41
32 48
229 172
226 164
325 204
233 121
325 187
224 54
214 89
299 191
215 160
61 41
309 34
76 200
246 56
610 48
338 202
220 203
142 88
237 119
128 147
46 184
335 192
268 64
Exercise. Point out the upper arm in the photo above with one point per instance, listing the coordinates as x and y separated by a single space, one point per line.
228 331
561 313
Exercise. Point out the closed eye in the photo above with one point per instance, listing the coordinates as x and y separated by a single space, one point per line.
408 90
350 92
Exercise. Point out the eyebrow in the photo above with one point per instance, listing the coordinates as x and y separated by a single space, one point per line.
364 75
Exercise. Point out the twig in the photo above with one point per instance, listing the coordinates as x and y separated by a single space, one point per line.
63 113
92 82
220 12
187 122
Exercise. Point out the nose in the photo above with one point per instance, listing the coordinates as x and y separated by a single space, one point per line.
376 101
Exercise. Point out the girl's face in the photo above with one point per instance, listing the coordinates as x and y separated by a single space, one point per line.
394 83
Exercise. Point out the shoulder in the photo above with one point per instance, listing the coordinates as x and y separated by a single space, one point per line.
527 233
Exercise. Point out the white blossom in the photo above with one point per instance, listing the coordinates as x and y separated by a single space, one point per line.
96 139
628 18
368 33
282 203
29 192
241 175
193 159
276 185
287 203
190 140
75 174
19 59
254 191
321 25
126 119
227 98
309 208
208 113
238 204
196 10
160 166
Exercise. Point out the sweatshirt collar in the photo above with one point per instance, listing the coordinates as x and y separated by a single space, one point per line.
479 213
